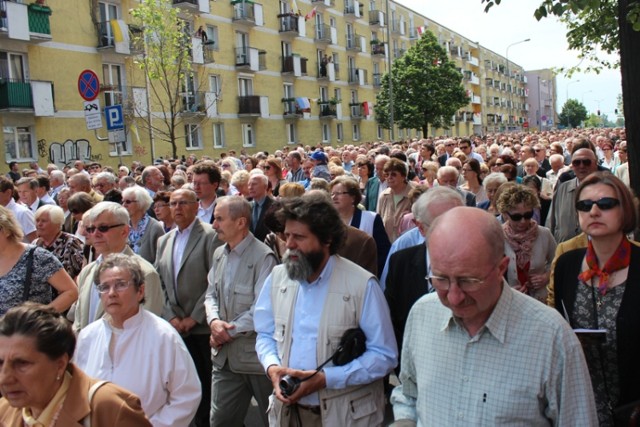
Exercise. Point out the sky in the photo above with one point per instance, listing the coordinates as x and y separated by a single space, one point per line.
513 21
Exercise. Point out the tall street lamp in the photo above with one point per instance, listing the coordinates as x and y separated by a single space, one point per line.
509 77
569 84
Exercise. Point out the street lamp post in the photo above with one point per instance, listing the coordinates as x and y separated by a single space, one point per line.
569 84
509 78
389 66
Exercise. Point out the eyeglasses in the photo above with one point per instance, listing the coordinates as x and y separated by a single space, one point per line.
160 205
119 286
339 193
464 147
449 145
128 202
101 228
225 165
519 217
584 162
466 284
181 203
267 167
604 204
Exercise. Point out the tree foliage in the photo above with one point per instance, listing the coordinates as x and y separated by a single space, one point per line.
427 88
573 113
166 61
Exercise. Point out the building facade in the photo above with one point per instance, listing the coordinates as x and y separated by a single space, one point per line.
265 75
543 99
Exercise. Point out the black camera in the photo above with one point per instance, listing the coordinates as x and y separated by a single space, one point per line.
289 385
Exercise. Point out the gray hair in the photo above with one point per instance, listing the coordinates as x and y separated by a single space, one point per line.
111 178
124 262
440 195
494 178
447 169
56 214
118 211
238 207
142 196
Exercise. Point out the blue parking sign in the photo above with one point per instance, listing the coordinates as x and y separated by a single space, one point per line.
115 119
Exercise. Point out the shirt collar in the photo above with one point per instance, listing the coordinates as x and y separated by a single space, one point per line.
188 229
240 247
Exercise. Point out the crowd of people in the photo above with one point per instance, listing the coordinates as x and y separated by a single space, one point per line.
496 276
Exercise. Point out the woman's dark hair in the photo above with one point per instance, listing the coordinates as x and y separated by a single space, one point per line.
318 213
271 220
628 203
253 160
113 195
370 168
165 174
510 171
475 167
508 160
52 333
80 202
351 186
396 165
162 196
535 179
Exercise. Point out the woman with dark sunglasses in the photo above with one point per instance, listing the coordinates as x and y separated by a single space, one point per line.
597 288
530 246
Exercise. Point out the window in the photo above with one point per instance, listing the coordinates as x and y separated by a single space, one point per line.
218 135
248 137
124 147
356 132
18 143
339 132
192 137
212 37
12 66
245 87
215 85
337 94
326 133
291 133
288 91
108 12
112 84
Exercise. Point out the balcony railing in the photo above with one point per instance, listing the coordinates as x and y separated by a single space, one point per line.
289 65
193 103
352 8
291 109
323 33
328 110
357 76
244 13
377 79
378 48
357 112
376 17
251 58
288 23
16 94
106 36
353 42
249 105
39 19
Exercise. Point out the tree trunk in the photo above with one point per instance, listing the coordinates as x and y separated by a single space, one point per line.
630 70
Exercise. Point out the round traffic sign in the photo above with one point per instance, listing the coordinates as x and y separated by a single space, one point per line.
88 85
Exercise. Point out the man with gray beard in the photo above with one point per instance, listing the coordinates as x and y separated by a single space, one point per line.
303 310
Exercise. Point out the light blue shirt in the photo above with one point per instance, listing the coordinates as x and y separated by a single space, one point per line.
179 245
378 360
412 237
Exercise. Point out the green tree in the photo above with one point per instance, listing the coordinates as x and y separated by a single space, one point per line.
427 88
612 26
573 113
593 121
166 63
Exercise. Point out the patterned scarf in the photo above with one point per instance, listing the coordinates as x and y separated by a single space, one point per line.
135 236
618 261
522 244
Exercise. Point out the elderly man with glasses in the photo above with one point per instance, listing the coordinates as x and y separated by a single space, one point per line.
108 225
449 147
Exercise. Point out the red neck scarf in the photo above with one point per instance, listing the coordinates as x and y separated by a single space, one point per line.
618 261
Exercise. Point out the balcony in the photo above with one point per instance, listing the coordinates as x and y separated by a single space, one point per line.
356 110
352 9
328 110
24 96
249 13
354 42
323 3
187 5
378 48
193 104
119 36
377 80
413 33
357 76
249 106
291 109
325 34
250 58
475 99
473 60
294 65
289 24
397 27
133 99
397 53
376 18
327 71
207 51
19 21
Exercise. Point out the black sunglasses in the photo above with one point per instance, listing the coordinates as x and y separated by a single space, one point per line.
583 162
102 228
519 217
604 204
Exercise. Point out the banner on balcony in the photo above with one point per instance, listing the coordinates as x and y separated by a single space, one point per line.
120 36
366 109
303 103
311 14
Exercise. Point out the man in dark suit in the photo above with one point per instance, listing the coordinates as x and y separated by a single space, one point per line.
449 146
408 268
258 185
183 260
544 166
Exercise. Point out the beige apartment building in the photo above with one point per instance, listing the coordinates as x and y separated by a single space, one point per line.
266 75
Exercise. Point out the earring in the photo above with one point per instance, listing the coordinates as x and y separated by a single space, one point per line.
58 377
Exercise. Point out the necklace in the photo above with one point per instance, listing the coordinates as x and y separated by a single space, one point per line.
600 296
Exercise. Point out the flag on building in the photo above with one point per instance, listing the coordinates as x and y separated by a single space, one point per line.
366 108
311 14
120 36
294 7
421 30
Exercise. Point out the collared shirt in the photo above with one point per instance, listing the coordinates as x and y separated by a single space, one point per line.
24 215
34 206
49 415
206 214
179 245
295 176
525 366
377 361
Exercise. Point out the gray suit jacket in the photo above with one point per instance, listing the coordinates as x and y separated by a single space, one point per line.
149 241
152 291
186 298
563 218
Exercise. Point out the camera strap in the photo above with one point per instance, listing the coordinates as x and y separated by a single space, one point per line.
353 340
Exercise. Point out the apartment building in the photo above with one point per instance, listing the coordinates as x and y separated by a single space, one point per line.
265 75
